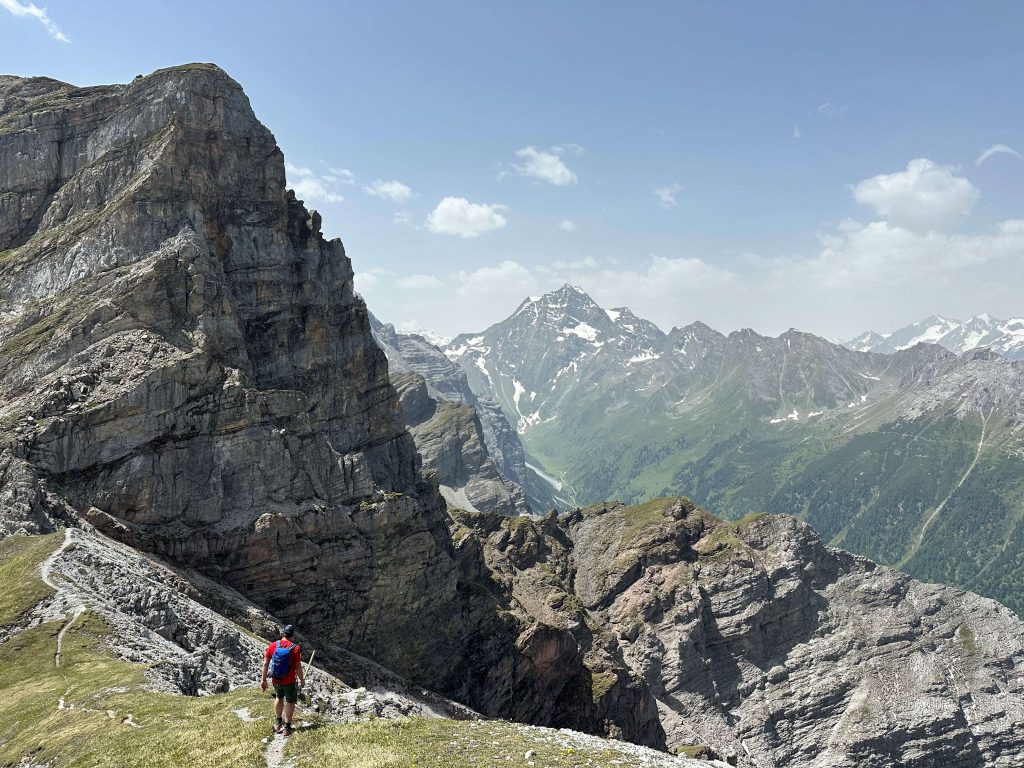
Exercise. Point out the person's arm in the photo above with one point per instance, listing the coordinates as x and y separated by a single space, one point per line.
300 674
263 675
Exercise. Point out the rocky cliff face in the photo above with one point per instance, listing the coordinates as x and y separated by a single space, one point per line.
759 641
450 439
467 443
184 363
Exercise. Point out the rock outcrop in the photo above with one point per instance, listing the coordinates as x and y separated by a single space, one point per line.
757 640
450 439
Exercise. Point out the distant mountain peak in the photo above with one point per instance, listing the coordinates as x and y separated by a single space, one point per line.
566 290
1005 338
698 328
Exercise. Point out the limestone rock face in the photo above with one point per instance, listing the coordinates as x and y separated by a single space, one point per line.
450 439
464 440
184 363
566 667
757 640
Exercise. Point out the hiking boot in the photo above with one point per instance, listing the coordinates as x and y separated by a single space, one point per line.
287 729
279 726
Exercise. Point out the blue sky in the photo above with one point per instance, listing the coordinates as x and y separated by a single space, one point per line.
756 164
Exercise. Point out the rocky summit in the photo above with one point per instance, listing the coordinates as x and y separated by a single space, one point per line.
191 390
186 367
896 457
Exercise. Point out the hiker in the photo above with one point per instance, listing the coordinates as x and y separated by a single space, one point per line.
283 660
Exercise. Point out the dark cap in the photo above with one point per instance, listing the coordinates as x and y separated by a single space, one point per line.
289 630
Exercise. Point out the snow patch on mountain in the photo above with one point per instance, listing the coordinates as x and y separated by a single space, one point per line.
794 415
584 331
428 334
645 356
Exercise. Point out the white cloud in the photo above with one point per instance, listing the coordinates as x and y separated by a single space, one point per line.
341 175
828 109
567 226
561 267
998 149
667 195
567 149
923 197
419 282
309 187
458 216
796 131
367 280
39 14
509 278
395 191
546 165
879 274
402 217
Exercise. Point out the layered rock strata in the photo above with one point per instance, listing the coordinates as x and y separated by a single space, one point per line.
185 367
757 640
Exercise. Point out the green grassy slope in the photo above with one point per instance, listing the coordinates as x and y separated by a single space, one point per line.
865 482
422 743
74 714
92 711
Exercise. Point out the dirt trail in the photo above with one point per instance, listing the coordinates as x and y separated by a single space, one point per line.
60 635
275 752
77 607
48 562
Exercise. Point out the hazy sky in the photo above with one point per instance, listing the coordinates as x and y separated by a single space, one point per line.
828 166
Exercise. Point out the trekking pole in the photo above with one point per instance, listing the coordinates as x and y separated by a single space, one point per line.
309 664
305 676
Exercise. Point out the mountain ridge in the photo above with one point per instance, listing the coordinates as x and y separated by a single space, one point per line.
1006 337
739 421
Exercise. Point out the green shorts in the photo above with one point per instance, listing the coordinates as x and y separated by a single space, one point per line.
289 692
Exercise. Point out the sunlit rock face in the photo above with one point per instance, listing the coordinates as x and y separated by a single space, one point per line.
185 364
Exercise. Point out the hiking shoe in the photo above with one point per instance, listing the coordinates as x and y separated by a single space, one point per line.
287 729
278 727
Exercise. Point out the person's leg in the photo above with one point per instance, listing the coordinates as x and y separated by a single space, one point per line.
278 707
289 706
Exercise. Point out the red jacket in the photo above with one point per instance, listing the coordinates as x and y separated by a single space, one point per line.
294 660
